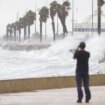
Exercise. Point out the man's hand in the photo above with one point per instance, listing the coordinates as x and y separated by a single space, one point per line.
72 50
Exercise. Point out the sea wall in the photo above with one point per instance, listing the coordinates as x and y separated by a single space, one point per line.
33 84
27 47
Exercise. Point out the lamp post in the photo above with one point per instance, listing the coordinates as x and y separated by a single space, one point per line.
92 17
72 17
35 20
57 22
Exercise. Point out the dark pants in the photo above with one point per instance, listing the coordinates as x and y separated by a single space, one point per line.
83 77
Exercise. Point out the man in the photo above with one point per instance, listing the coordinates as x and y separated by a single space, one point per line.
82 72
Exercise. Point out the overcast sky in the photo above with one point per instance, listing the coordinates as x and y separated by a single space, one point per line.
10 8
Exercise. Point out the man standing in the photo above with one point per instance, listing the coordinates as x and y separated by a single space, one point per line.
82 72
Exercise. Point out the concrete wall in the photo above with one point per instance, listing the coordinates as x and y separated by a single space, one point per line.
23 85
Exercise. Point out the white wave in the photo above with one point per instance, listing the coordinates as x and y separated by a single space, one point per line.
54 61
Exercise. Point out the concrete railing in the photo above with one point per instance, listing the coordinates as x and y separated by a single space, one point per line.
32 84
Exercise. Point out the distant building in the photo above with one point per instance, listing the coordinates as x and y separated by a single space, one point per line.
86 25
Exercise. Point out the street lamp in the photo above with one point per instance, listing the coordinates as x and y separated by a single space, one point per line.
72 17
92 17
35 20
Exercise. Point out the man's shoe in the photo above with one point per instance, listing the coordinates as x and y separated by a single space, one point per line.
79 101
87 101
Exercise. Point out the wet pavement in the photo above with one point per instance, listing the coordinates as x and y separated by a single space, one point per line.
66 96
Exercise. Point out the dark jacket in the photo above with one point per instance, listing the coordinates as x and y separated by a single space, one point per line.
82 61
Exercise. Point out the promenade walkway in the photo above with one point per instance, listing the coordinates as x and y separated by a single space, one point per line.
66 96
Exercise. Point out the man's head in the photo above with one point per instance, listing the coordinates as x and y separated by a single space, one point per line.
82 45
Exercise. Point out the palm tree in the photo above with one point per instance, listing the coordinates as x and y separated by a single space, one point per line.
53 11
7 31
11 31
22 22
14 30
44 14
17 24
25 27
30 17
63 13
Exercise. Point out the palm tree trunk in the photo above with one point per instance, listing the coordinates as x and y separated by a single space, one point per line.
7 34
11 34
64 25
28 31
15 34
19 35
25 33
53 28
40 30
99 20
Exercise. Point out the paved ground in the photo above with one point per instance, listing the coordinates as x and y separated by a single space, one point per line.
52 97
